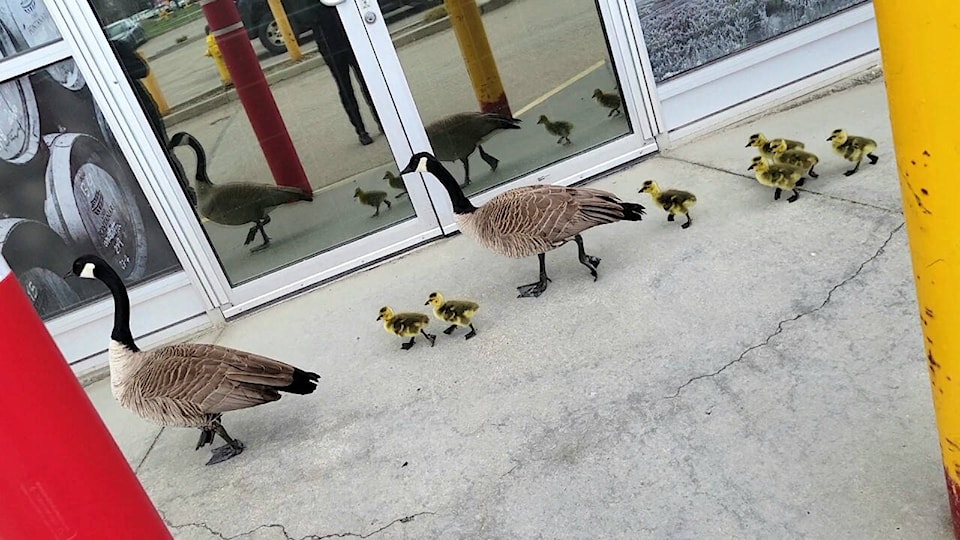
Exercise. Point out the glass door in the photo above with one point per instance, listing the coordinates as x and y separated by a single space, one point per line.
516 92
273 224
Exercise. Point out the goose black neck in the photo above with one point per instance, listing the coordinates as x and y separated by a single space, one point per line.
121 308
461 204
192 142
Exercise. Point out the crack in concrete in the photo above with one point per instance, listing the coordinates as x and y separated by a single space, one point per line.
804 189
136 469
286 535
780 325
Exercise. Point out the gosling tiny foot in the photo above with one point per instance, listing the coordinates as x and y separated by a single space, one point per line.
670 217
813 174
794 198
687 224
873 159
850 172
430 337
450 329
776 194
225 452
472 333
406 346
801 181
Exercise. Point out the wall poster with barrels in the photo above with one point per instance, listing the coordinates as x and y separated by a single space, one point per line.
65 187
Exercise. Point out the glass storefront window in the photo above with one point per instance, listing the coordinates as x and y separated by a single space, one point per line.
66 190
28 24
685 34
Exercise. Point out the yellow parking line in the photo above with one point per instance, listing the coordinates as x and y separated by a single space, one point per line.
556 90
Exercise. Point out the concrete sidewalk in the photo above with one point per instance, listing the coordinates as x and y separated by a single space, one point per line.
759 375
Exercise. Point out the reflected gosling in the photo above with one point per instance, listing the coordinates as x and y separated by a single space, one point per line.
610 101
396 182
372 198
560 128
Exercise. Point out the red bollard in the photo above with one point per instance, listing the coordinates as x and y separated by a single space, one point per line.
62 476
254 93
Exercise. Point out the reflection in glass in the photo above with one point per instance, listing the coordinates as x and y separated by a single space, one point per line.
684 34
552 58
66 190
240 203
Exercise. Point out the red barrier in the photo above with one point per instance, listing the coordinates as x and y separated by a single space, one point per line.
62 476
254 93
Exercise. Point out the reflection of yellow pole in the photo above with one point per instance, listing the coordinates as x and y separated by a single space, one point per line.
213 51
152 86
921 84
283 23
481 66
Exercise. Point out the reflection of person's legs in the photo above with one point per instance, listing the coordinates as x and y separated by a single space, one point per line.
365 90
340 68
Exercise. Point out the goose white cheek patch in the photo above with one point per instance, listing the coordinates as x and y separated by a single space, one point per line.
422 166
87 271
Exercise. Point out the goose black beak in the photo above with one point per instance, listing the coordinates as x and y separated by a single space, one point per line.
830 138
427 303
408 169
379 317
748 145
752 165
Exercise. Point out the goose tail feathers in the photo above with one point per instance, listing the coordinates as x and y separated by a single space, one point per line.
304 382
633 211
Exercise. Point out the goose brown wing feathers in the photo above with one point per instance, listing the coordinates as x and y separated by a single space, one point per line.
536 219
212 379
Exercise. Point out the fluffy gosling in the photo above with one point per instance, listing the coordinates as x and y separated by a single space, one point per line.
405 325
777 176
801 159
673 201
560 128
610 101
396 182
372 198
457 312
763 144
853 148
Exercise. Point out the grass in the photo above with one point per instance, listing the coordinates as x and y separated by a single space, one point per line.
157 26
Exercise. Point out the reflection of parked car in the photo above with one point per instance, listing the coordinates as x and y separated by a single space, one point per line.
127 31
258 19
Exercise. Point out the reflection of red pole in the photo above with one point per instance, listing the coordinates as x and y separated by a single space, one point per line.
254 93
61 473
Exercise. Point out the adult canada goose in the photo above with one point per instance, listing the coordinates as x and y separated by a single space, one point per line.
189 384
531 219
456 136
237 203
853 148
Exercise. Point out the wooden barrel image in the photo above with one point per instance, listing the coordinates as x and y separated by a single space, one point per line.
19 117
30 25
38 256
90 201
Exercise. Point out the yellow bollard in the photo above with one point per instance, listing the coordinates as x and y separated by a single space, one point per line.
152 86
213 51
279 15
481 66
922 78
